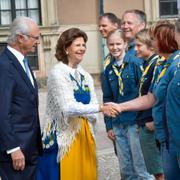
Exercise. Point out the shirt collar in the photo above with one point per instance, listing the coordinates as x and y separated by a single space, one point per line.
16 53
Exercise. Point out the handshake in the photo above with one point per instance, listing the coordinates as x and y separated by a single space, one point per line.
111 109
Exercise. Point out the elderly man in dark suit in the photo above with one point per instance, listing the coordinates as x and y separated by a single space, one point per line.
20 137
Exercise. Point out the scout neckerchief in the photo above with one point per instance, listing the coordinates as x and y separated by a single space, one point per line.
107 61
176 55
158 68
118 71
145 72
162 72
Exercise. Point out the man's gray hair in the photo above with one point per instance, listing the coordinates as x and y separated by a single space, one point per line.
20 25
141 15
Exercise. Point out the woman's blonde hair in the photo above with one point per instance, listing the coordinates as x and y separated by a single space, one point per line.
118 32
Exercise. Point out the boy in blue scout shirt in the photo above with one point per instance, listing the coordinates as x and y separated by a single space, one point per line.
121 83
144 49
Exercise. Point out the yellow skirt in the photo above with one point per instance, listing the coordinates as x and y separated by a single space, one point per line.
80 162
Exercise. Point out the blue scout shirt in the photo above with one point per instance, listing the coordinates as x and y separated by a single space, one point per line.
113 91
173 112
160 94
145 82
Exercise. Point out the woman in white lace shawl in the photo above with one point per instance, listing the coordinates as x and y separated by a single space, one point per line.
71 109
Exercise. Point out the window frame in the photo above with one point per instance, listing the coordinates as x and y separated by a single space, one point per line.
13 10
170 15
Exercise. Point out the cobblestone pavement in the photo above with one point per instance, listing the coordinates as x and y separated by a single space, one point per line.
108 168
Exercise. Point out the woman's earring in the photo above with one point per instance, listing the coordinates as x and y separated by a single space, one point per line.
67 53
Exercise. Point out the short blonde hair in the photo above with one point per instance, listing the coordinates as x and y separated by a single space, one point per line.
144 37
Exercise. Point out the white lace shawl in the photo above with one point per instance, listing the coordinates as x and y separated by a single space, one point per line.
64 109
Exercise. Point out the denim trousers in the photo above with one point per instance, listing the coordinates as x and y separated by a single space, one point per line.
130 157
170 163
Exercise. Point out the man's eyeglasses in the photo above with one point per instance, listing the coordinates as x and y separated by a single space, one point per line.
30 36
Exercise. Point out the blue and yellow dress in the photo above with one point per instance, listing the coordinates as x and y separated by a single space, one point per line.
71 115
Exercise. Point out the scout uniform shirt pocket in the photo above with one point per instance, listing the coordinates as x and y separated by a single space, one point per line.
129 82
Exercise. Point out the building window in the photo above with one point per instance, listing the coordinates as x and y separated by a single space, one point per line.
2 46
168 8
33 60
10 9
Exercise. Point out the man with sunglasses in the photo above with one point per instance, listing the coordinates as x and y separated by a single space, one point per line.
20 137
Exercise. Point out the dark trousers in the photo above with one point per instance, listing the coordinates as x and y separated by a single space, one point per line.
7 172
170 164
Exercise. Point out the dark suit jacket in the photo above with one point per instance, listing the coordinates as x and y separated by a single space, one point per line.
19 119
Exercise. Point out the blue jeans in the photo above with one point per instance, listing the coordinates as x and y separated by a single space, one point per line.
170 163
131 161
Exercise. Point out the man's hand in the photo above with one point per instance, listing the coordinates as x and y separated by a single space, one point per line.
115 106
150 126
18 160
111 135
